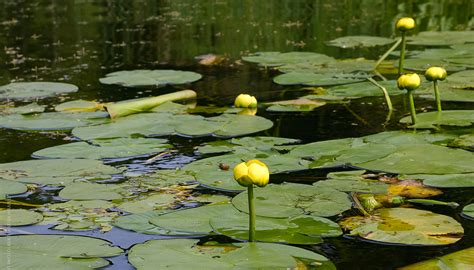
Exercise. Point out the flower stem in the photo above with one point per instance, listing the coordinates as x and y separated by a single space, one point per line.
251 214
385 93
402 54
387 53
412 107
438 99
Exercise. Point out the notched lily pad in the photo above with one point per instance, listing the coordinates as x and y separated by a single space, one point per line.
34 90
405 226
149 78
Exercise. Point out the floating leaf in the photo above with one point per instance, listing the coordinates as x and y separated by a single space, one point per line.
55 252
55 171
464 141
160 179
149 78
90 191
34 90
139 222
273 59
450 94
422 64
353 182
468 211
31 108
442 38
461 80
412 189
315 79
301 229
107 148
19 217
405 226
8 187
295 105
52 120
446 180
289 200
359 41
445 118
78 106
463 259
187 254
153 202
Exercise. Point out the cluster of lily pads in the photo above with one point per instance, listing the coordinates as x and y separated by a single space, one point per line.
389 172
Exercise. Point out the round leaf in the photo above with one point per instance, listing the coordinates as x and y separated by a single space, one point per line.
19 217
34 90
148 78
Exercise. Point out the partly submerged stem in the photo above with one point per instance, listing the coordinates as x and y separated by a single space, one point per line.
412 107
385 93
251 214
402 54
385 55
437 96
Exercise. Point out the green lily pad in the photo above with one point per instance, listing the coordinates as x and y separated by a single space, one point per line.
463 259
145 124
149 78
192 221
90 191
295 105
301 229
446 180
19 217
34 90
31 108
450 94
188 254
55 252
468 210
359 90
442 38
289 200
61 121
422 64
445 118
107 148
139 223
8 187
149 203
405 226
423 159
315 79
322 149
78 106
54 171
359 41
273 59
461 80
262 142
160 179
352 182
464 141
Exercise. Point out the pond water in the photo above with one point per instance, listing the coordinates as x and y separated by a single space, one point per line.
80 41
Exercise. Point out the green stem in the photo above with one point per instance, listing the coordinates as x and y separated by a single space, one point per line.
402 54
438 99
385 93
412 107
385 55
251 214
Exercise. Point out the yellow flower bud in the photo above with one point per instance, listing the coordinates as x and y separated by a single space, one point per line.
405 24
435 73
245 101
252 172
409 82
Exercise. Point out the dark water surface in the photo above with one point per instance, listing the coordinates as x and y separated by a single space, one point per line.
79 41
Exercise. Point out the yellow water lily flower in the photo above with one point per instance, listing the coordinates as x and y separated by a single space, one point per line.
252 172
245 101
409 81
405 23
436 73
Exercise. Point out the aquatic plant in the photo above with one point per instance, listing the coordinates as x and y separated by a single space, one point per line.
410 82
403 25
435 74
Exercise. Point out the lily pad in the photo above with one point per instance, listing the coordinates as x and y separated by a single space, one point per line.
19 217
55 171
445 118
446 180
139 222
78 106
52 121
90 191
273 59
442 38
160 124
463 259
468 210
149 203
422 64
160 179
149 78
34 90
315 79
461 80
107 148
8 187
301 229
55 252
289 200
31 108
405 226
188 254
450 94
295 105
359 41
353 182
464 141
